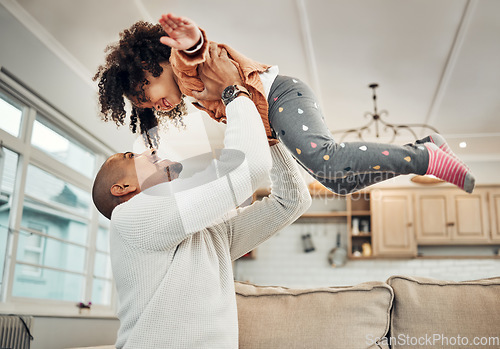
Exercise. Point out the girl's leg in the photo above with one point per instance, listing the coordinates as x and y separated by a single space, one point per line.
298 123
351 184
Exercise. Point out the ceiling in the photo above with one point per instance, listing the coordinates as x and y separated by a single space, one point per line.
437 62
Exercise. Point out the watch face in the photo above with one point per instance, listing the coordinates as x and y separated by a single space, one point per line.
228 92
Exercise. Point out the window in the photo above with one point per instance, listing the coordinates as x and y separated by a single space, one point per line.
33 250
102 282
8 175
62 147
10 115
53 242
63 211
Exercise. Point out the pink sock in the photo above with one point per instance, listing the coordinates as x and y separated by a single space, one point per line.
449 168
439 140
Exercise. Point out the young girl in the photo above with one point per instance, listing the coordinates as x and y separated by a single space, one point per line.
154 71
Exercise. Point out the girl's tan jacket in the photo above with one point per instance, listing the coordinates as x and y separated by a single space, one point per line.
185 68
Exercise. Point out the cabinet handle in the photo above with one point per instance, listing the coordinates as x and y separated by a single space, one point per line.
450 224
409 225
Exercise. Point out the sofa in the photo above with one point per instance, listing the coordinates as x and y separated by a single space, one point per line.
403 312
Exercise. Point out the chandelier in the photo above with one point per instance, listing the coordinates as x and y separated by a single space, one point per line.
390 131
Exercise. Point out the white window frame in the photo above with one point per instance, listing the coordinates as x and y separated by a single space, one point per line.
105 252
29 154
39 228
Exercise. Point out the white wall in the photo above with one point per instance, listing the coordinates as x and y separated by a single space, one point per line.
486 172
56 333
281 261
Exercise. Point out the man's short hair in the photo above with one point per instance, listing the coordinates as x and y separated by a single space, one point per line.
104 201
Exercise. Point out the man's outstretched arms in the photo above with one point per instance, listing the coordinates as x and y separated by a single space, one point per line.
288 200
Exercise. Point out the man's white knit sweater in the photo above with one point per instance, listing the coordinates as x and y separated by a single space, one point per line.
172 254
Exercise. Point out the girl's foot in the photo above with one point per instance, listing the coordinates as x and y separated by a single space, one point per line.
439 140
449 168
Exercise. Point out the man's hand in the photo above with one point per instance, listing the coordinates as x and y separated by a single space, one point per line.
217 73
182 32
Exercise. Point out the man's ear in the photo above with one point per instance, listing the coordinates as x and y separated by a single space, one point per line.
122 189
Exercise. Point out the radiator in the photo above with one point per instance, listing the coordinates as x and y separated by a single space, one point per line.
15 331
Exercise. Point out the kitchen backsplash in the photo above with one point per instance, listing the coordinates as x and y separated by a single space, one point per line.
282 261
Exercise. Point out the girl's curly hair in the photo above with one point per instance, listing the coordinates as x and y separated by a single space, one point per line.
123 76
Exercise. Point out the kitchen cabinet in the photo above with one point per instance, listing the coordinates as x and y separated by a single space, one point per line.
451 216
431 212
392 219
494 204
360 226
394 222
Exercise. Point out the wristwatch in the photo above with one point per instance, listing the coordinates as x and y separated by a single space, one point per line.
232 91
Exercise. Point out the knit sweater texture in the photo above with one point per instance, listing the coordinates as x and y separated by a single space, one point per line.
172 254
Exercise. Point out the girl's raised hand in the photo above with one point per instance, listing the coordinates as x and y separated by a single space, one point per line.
182 32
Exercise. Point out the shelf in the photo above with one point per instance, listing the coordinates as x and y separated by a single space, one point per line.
361 213
340 209
362 235
360 257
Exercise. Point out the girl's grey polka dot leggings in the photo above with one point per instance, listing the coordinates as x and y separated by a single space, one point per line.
297 122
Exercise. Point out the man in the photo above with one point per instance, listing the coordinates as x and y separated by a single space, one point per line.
173 240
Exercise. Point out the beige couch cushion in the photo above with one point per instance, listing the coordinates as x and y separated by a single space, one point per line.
99 347
334 317
430 313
